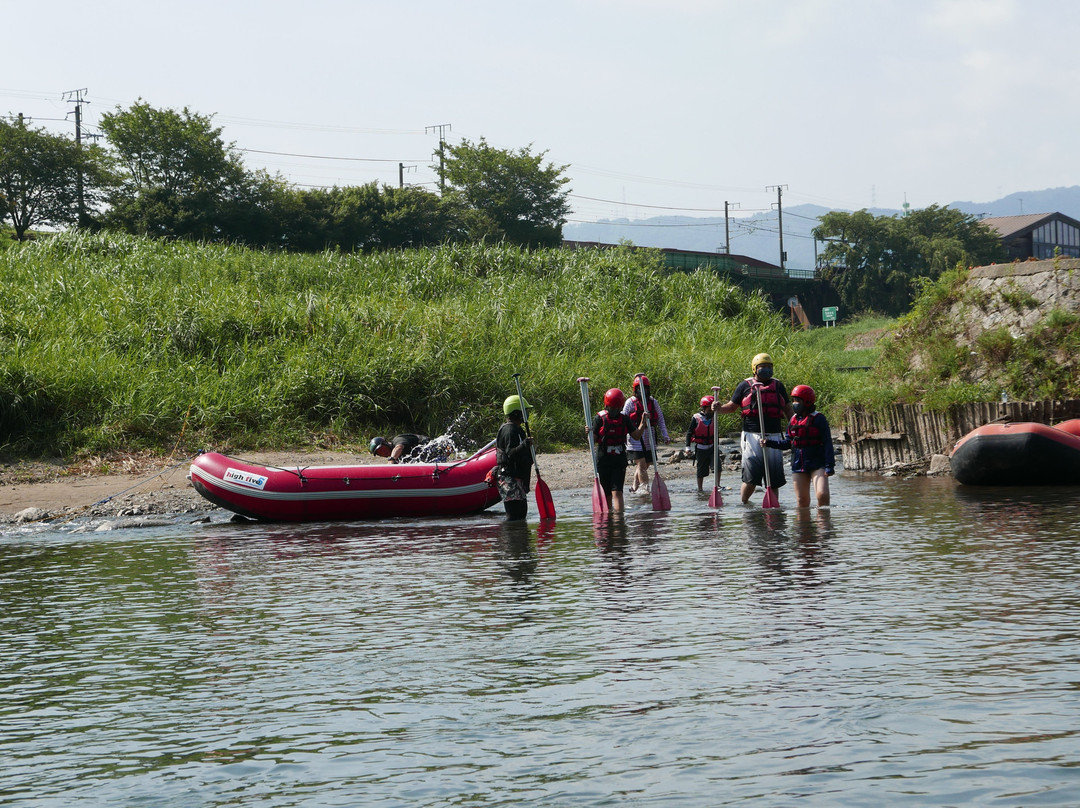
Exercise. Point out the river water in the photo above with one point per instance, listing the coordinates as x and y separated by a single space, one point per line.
918 644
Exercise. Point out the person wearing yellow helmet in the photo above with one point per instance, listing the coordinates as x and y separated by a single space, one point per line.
775 411
513 457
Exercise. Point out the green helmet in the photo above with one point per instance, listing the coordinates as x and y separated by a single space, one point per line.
514 403
376 443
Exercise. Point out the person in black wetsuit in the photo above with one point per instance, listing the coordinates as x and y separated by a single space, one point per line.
513 454
398 448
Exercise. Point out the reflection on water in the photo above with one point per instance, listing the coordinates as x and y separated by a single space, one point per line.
916 643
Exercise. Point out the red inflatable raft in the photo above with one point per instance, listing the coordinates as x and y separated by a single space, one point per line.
1019 454
317 493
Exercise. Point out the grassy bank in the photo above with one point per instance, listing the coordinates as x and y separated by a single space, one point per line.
117 343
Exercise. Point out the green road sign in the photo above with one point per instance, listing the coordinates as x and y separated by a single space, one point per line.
828 314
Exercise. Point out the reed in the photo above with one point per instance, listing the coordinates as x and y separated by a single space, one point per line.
112 342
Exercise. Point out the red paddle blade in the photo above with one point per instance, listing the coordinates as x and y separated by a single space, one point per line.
599 501
544 503
771 500
715 500
660 499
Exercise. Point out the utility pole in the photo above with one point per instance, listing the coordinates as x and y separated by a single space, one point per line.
727 232
440 128
76 96
401 173
780 218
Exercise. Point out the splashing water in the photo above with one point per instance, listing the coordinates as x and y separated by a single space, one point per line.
452 444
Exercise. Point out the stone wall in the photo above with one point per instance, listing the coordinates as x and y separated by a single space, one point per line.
1017 296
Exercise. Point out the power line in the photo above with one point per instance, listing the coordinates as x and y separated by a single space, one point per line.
652 207
328 157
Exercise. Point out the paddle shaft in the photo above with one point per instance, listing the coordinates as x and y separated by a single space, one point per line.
584 382
715 443
764 448
525 421
648 422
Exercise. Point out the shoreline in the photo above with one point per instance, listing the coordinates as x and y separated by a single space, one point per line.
141 486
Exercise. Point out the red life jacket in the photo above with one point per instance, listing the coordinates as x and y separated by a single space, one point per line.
635 410
803 432
770 400
703 430
612 430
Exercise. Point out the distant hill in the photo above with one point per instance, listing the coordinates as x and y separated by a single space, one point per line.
758 235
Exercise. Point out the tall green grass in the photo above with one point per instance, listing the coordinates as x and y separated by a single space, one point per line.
111 342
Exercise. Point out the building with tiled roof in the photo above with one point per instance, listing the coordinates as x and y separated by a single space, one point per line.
1037 235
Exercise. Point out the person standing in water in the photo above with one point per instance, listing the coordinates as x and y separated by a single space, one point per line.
700 435
610 428
813 459
639 451
775 406
513 457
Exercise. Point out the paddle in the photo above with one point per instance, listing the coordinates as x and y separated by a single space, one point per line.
715 500
660 499
544 504
770 500
599 498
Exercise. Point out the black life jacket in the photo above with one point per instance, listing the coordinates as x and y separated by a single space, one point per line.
770 400
803 431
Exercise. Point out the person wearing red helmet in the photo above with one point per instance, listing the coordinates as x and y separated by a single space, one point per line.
610 428
640 451
700 434
813 460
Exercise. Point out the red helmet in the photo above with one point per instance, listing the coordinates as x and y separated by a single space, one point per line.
640 379
614 398
707 401
804 392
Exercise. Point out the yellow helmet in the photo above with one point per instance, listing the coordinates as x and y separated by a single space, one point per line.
760 359
514 403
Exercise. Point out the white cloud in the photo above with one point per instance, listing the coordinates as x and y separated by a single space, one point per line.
970 17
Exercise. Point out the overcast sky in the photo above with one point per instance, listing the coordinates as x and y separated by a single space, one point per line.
655 106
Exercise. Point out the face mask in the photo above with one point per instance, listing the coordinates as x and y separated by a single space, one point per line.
764 373
798 407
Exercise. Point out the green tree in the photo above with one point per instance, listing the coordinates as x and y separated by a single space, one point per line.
873 262
364 218
506 195
39 177
179 178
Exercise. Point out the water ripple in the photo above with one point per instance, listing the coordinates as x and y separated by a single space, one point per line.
916 643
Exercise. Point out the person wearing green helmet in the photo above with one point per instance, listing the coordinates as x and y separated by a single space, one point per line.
775 405
398 449
513 455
